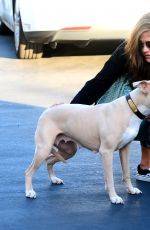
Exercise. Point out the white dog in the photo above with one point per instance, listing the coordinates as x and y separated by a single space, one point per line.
103 128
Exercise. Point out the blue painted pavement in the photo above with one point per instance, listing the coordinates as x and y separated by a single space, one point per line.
81 203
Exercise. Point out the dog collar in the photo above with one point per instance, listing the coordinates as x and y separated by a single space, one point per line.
133 107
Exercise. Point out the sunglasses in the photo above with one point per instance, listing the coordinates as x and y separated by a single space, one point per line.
142 44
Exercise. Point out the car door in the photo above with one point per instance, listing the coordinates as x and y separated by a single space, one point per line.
7 13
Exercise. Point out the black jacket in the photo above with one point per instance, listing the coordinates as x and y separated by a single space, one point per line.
115 67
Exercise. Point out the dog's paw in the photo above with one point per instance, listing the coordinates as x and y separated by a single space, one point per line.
134 191
56 180
31 194
116 200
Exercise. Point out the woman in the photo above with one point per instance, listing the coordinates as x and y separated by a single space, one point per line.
132 60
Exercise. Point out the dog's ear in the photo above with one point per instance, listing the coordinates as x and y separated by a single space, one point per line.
136 84
142 85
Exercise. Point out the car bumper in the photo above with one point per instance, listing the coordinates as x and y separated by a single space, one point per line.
40 36
46 37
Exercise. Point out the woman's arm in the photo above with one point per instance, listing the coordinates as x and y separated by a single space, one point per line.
93 89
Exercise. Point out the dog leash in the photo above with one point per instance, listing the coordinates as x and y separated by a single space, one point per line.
134 108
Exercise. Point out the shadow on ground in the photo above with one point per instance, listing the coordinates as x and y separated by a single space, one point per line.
97 47
103 47
81 203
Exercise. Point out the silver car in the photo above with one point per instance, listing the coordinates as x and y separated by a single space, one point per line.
36 23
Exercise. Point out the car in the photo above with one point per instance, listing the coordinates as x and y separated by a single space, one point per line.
39 23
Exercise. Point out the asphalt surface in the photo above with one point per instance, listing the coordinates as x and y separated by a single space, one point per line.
81 203
27 87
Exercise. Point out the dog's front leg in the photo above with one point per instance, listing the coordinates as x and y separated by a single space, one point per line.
124 159
107 157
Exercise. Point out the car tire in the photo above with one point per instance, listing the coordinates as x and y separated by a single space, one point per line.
4 30
25 49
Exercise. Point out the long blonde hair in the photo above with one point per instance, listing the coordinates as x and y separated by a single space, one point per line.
136 61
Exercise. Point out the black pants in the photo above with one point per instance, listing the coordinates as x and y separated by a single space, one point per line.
144 134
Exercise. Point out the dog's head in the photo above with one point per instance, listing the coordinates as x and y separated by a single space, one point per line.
144 99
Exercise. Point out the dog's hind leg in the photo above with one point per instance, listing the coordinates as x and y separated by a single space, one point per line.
124 159
50 163
42 150
66 150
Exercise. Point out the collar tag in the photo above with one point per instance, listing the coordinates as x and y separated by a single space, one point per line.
132 105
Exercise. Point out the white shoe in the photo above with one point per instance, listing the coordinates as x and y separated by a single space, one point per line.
143 174
143 177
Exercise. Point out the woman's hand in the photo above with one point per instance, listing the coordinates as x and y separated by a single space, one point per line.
56 104
148 118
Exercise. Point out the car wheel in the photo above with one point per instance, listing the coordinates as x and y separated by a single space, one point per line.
4 30
25 49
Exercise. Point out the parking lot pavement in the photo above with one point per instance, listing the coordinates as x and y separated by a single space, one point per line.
81 203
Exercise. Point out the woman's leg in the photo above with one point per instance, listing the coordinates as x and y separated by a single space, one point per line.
143 168
145 157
